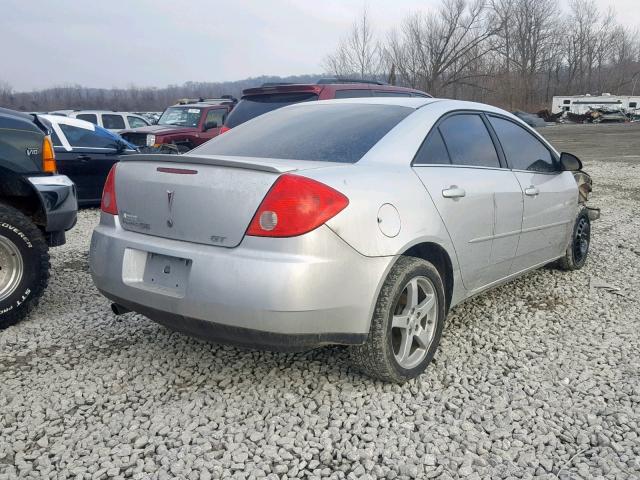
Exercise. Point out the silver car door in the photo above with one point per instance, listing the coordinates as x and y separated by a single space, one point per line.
459 166
550 195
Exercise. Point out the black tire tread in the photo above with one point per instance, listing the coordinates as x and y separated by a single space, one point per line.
15 217
567 262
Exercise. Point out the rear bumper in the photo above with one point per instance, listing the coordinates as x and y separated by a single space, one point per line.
280 294
58 196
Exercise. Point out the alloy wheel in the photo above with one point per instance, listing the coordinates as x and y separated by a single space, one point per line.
413 325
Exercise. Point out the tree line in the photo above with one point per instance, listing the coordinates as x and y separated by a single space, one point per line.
131 99
516 54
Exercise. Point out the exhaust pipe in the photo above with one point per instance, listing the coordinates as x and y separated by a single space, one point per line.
119 309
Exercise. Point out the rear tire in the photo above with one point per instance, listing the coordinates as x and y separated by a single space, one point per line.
24 265
407 323
576 254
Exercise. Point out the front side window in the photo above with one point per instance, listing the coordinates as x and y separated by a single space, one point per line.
88 117
215 116
522 149
181 116
84 138
341 133
136 122
433 151
468 141
113 122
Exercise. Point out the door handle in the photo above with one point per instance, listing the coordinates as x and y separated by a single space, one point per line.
531 191
453 191
84 158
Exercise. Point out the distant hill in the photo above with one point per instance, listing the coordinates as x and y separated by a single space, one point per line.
132 98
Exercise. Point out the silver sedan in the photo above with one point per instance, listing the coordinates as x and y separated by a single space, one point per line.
357 222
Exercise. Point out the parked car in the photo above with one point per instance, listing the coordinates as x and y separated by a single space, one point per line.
85 153
357 222
37 207
183 126
271 96
111 120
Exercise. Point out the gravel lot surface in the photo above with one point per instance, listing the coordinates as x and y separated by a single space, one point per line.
539 378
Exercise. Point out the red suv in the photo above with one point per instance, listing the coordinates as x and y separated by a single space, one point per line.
183 126
271 96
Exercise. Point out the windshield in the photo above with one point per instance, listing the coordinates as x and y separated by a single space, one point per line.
181 116
331 133
253 105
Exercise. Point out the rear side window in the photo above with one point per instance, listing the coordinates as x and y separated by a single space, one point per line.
468 141
136 122
353 93
433 151
81 137
255 105
89 117
522 149
341 133
113 122
390 93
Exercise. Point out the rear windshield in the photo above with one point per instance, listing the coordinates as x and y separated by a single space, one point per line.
330 133
254 105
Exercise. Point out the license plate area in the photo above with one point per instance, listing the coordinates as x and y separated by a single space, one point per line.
166 273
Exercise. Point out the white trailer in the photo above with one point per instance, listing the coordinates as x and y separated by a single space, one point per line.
581 104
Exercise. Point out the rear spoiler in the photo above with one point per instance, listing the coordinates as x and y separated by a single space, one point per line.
293 88
270 165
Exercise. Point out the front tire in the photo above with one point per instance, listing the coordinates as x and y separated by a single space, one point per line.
576 254
407 323
24 265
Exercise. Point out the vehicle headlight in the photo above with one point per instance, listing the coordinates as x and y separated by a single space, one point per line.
151 140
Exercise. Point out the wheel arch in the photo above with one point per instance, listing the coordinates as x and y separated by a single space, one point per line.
18 193
439 257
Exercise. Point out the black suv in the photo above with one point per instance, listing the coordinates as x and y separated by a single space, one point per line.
37 206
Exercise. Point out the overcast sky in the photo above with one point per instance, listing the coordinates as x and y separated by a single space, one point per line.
117 43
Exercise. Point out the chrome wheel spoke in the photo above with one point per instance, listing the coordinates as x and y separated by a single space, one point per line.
400 321
424 337
426 306
412 293
405 346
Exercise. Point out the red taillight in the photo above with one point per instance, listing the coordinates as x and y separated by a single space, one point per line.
223 129
109 204
295 205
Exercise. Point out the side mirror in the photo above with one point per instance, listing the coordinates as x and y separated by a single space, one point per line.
570 163
210 125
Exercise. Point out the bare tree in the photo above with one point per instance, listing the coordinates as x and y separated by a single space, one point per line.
358 54
439 50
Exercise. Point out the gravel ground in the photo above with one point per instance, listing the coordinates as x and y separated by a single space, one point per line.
539 378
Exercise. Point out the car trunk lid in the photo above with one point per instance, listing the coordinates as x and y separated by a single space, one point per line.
201 199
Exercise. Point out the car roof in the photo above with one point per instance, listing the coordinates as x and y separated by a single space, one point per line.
411 102
202 105
74 112
318 87
74 122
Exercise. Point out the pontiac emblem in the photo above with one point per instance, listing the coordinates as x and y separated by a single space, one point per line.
170 195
